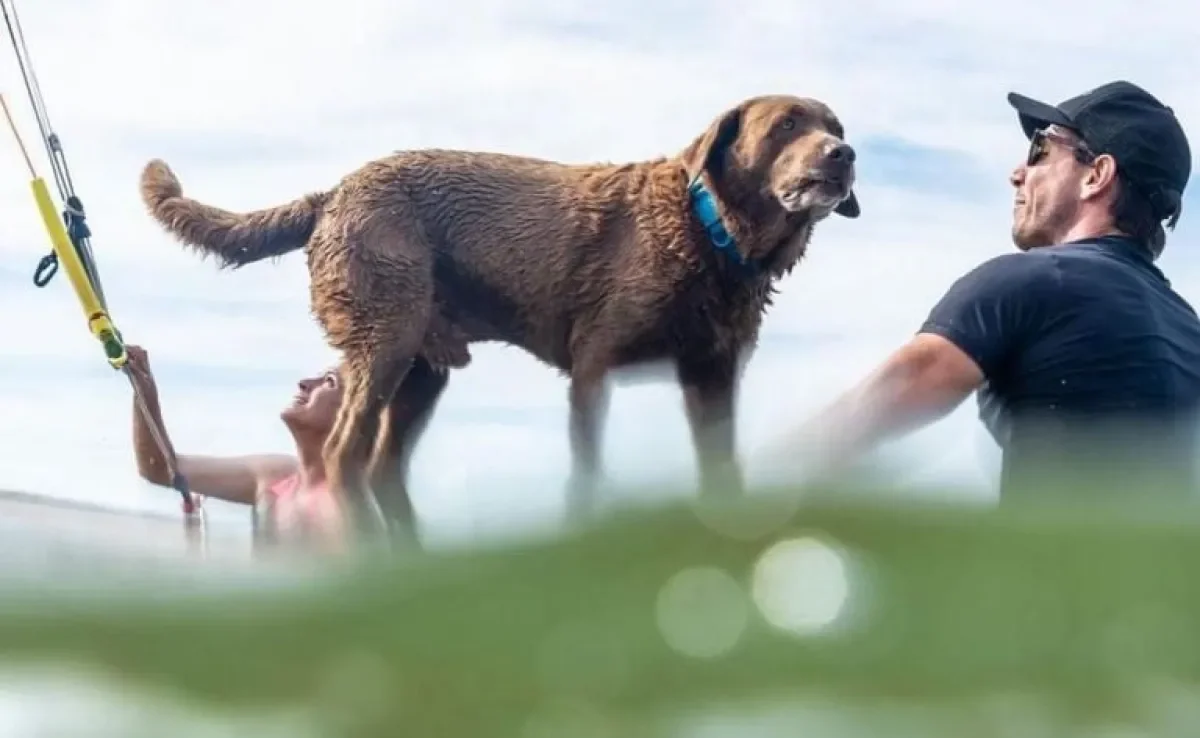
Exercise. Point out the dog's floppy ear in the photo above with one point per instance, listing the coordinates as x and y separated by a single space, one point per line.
848 208
708 151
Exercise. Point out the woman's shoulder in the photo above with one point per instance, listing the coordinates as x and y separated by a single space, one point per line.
272 467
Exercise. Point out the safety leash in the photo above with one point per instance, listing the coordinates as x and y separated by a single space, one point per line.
70 239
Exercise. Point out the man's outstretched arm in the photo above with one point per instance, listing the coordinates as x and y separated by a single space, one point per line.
982 321
921 382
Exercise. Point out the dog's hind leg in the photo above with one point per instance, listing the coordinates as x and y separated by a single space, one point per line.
374 300
370 379
404 421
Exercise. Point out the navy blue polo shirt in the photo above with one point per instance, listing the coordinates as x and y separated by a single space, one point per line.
1091 363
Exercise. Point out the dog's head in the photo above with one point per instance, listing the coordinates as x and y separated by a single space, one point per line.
776 159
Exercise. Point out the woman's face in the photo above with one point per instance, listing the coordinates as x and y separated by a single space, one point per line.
316 403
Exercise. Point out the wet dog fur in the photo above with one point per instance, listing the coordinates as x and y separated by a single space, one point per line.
415 256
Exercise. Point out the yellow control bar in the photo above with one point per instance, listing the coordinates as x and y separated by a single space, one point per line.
98 320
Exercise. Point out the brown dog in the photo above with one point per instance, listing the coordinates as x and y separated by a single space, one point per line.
587 267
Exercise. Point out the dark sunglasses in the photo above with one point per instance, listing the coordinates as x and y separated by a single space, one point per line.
1039 147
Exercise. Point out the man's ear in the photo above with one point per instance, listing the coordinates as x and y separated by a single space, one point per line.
848 208
707 152
1101 175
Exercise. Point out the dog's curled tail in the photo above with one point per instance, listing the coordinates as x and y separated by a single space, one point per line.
236 239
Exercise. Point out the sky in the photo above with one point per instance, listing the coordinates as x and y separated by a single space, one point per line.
253 106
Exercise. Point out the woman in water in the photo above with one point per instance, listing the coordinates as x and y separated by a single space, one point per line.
288 493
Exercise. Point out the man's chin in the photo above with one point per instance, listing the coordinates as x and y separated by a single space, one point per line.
1025 241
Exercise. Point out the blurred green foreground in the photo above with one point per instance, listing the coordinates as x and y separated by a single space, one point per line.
761 618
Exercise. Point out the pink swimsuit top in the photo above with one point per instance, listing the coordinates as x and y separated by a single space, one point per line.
291 513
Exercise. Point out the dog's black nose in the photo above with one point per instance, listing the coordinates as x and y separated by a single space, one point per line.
843 153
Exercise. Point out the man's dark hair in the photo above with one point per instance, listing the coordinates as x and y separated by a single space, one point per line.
1134 216
1131 211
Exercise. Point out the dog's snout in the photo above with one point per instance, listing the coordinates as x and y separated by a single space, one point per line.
842 153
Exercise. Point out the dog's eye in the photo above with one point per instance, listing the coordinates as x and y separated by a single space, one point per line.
788 123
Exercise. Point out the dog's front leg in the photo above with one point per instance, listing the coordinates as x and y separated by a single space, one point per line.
589 407
709 392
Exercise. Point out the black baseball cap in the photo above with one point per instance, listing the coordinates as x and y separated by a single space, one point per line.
1128 123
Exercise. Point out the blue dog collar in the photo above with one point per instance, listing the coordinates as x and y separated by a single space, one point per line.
704 205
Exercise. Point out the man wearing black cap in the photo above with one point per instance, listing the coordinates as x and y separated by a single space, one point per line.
1086 362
